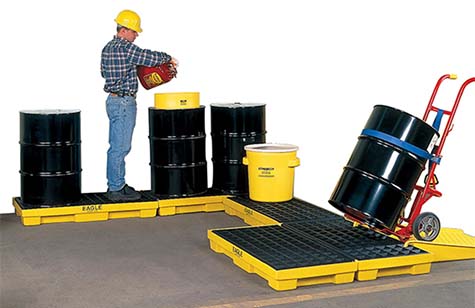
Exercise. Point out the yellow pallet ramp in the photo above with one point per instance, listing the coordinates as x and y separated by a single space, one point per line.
451 245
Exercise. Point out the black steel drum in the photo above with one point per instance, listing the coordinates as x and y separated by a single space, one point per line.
178 152
50 156
234 126
385 165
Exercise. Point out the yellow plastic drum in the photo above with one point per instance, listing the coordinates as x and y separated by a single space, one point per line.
177 100
271 171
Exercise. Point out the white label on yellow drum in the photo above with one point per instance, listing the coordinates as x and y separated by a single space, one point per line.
266 172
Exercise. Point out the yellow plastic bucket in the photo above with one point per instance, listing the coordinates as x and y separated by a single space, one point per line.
271 171
177 100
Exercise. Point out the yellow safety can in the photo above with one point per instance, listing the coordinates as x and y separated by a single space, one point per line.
177 100
271 171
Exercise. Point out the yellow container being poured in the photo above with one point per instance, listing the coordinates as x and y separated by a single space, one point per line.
177 100
271 171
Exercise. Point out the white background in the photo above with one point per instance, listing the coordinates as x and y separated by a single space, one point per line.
320 66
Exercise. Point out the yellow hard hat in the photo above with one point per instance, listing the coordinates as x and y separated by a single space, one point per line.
129 19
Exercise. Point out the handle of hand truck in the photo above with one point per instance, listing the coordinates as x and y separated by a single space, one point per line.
434 93
449 124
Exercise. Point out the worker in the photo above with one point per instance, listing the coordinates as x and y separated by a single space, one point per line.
119 61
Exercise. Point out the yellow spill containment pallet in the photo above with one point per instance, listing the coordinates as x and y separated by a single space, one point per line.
205 203
97 207
406 265
270 213
91 207
306 253
377 255
450 245
279 274
248 215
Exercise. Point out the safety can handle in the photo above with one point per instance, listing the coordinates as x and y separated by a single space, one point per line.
245 161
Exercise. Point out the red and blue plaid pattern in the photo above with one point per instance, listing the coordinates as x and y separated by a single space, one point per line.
119 64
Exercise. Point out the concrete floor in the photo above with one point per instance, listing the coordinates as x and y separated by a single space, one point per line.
166 262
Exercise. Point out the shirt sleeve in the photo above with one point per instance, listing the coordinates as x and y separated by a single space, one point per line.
147 57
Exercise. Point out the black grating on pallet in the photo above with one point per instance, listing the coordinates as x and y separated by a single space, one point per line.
289 211
281 248
90 199
358 242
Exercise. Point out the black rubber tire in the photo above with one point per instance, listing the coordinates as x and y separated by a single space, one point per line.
426 227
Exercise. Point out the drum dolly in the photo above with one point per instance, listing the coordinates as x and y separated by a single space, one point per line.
426 226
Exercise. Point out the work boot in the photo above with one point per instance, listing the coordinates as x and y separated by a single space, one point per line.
127 193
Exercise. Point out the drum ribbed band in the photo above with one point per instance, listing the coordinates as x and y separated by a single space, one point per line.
402 144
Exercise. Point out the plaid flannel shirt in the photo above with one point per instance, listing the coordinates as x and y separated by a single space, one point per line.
119 64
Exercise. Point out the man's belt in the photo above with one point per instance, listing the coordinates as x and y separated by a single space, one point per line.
122 94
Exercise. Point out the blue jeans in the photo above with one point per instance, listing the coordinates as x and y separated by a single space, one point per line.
122 112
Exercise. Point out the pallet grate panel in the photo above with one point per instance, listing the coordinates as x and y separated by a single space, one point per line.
289 211
359 242
281 248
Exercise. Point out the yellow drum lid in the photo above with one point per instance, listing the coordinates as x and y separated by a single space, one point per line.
177 100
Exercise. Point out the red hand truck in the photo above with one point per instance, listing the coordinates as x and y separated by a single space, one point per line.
426 226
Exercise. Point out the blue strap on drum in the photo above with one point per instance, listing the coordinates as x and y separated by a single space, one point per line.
402 144
438 119
436 125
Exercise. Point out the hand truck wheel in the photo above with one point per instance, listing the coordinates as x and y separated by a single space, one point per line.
426 227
